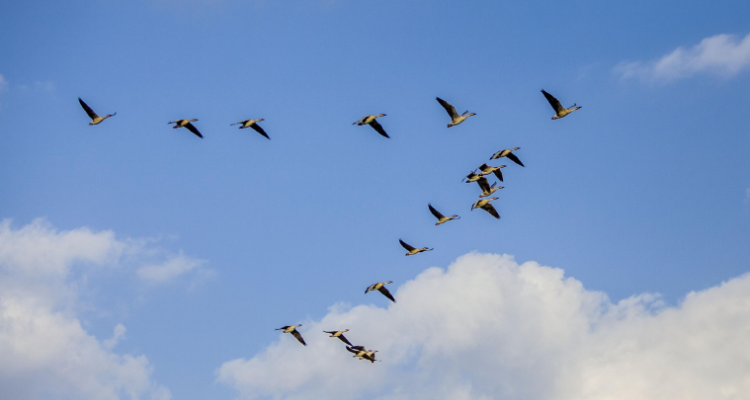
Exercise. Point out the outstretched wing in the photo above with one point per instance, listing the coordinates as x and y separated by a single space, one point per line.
298 336
435 212
193 129
283 328
370 288
386 293
375 125
499 174
88 109
406 246
448 107
515 159
345 340
260 130
490 209
553 101
237 123
483 184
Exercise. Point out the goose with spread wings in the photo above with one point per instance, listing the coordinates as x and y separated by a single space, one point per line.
372 121
486 188
380 287
485 205
293 330
509 154
441 218
186 123
485 169
560 111
455 117
411 249
252 123
340 335
95 118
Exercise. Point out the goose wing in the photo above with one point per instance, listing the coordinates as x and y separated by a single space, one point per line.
345 340
499 174
435 212
355 349
553 102
370 288
238 123
386 293
513 158
448 107
483 184
298 336
490 209
193 129
375 125
88 109
260 130
283 328
405 245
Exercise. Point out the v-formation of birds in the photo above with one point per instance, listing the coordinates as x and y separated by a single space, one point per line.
478 175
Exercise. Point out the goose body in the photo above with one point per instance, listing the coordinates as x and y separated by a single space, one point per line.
252 123
486 188
358 351
560 111
411 249
186 123
340 335
441 218
372 121
293 330
509 154
485 169
380 287
485 205
456 118
472 177
95 118
369 355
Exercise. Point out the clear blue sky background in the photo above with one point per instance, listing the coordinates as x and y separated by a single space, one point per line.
643 190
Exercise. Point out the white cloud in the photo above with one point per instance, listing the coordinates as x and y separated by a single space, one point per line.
45 353
488 328
722 55
170 269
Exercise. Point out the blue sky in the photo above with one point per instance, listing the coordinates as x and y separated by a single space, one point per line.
644 190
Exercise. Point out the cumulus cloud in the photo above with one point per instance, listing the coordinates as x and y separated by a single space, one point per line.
722 55
489 328
45 351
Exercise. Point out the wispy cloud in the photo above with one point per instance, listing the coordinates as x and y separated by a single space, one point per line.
489 328
720 55
175 266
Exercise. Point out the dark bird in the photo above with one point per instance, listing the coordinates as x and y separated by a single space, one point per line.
455 118
252 123
186 123
486 206
371 120
508 153
441 218
293 331
95 119
560 111
380 287
340 335
413 250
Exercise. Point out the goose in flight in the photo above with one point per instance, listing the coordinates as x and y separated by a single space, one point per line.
441 218
508 153
486 170
362 353
412 250
252 123
560 111
486 206
380 287
293 330
486 188
455 118
186 123
95 118
472 177
371 120
369 356
340 335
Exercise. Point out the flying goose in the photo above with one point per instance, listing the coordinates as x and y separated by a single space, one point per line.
252 123
293 330
560 111
413 250
441 218
186 123
472 177
340 335
380 287
508 153
455 118
358 351
371 120
486 188
486 206
95 118
486 170
369 356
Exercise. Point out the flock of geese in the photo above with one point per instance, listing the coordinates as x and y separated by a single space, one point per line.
478 175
